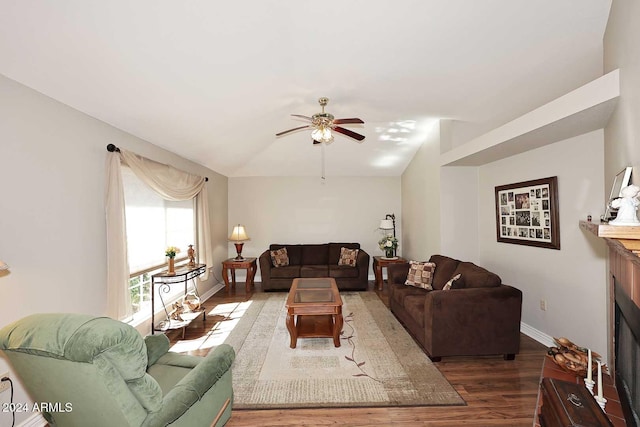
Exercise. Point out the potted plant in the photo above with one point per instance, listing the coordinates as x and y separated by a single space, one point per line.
388 244
170 253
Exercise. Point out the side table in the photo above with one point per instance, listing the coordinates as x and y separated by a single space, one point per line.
232 264
163 282
379 262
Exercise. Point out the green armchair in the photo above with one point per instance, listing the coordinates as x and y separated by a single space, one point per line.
101 372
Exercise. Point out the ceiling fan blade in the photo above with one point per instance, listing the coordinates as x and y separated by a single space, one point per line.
292 130
349 133
302 117
347 121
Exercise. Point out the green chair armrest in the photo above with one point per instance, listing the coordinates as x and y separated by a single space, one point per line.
157 346
194 385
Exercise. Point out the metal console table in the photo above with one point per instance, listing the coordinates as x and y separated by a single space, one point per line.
164 280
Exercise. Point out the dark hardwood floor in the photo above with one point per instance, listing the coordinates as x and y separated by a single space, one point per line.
497 392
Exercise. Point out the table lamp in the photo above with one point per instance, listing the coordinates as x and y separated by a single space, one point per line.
389 223
239 236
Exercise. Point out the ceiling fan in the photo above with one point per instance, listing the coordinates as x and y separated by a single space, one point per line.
323 124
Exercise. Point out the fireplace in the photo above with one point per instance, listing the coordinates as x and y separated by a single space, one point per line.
627 353
624 312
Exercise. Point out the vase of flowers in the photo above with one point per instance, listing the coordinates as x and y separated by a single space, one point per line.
388 244
170 253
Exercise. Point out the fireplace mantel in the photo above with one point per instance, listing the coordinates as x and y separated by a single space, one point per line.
628 237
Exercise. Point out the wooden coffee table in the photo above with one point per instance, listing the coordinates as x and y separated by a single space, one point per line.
314 310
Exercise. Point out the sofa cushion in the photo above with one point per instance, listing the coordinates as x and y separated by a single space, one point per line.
420 274
334 250
476 277
414 306
294 252
315 254
279 257
400 292
287 272
314 271
454 283
342 271
445 267
348 257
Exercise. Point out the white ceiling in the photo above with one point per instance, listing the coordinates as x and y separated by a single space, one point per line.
215 81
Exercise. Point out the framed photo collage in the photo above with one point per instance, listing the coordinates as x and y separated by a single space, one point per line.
527 213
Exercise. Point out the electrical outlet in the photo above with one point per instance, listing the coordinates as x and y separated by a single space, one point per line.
543 305
4 385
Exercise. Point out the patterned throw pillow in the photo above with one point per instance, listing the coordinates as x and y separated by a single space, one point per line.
448 285
279 257
348 257
420 274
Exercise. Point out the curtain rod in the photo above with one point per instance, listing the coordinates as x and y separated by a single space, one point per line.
111 148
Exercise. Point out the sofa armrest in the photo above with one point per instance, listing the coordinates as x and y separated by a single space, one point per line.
265 267
397 273
157 346
363 265
194 385
474 320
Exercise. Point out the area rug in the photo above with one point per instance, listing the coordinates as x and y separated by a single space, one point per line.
377 364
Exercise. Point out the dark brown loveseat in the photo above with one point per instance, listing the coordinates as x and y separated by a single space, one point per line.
315 260
478 316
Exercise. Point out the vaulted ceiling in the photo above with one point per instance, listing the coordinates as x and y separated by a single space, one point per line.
215 81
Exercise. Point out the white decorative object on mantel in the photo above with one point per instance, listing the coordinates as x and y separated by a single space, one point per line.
627 206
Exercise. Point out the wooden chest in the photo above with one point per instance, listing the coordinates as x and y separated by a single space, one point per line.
566 404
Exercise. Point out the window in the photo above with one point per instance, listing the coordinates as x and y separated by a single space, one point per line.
152 224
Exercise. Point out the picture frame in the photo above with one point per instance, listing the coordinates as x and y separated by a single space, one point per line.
527 213
621 180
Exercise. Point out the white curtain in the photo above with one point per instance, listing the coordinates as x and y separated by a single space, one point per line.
171 184
118 298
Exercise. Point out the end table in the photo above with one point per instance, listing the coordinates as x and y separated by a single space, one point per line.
232 264
379 262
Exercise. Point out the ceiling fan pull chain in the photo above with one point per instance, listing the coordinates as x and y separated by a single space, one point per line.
322 160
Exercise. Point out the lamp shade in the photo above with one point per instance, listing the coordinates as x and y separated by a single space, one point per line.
386 224
239 234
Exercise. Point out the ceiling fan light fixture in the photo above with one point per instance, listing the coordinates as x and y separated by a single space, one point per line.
324 125
322 134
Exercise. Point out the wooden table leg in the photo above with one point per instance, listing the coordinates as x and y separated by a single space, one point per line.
337 328
248 283
233 277
225 277
293 333
254 268
377 271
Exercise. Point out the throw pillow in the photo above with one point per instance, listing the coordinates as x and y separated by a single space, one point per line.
451 283
420 274
279 257
348 257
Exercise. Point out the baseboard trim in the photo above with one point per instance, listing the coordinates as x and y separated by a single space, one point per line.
36 420
537 335
214 289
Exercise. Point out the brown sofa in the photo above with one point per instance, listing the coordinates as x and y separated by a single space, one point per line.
478 316
311 260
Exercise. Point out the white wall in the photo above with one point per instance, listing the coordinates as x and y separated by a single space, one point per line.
305 210
622 134
421 200
52 220
459 212
572 279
